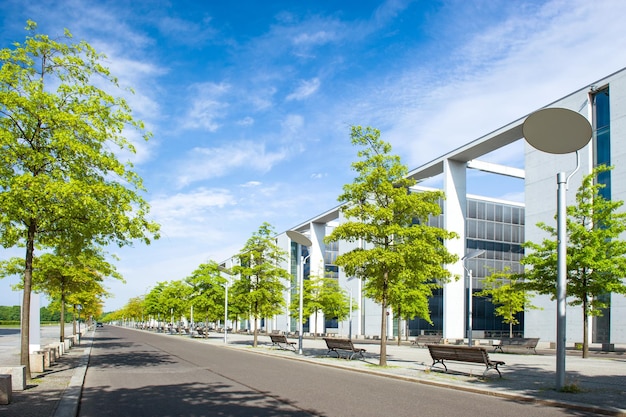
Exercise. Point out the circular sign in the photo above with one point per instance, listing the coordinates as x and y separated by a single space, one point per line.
299 238
557 130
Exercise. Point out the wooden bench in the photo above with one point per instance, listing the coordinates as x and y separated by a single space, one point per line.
473 354
425 339
280 341
335 345
518 342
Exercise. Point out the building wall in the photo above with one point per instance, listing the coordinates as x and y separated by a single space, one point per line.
541 171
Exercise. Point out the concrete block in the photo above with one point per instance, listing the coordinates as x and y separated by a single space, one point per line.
18 376
46 358
6 390
52 354
68 345
36 362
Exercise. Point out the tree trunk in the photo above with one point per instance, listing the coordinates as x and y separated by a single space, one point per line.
585 329
315 334
383 323
25 316
62 328
256 329
399 324
510 330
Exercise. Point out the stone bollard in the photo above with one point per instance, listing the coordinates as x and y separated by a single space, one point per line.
18 376
6 389
52 354
46 358
36 362
67 345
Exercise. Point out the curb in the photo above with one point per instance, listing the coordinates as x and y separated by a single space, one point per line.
70 399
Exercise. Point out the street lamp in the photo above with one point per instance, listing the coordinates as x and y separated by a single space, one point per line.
301 240
559 131
229 272
470 255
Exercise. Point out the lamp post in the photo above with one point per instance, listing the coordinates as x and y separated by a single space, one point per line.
470 255
229 272
350 321
559 131
301 240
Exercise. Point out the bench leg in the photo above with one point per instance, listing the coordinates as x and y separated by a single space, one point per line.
492 367
436 361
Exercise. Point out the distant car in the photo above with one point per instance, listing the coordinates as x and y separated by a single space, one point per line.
99 324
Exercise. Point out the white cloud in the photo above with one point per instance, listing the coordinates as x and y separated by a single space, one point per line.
207 163
206 106
186 214
305 89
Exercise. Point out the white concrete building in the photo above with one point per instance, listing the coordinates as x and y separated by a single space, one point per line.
499 227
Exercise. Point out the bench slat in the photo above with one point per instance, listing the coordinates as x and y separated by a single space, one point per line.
280 340
473 354
335 344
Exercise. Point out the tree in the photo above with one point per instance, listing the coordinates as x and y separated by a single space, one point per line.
596 256
208 291
323 295
72 278
508 295
382 212
60 178
260 282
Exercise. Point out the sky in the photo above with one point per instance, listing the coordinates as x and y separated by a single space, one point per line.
250 103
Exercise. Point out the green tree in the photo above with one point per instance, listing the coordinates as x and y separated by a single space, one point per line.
60 177
596 261
508 295
260 278
402 249
72 278
321 295
208 291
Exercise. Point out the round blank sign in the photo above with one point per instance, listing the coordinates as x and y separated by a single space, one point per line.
299 238
557 130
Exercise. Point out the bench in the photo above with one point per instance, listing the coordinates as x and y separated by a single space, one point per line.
473 354
280 341
335 345
518 342
424 339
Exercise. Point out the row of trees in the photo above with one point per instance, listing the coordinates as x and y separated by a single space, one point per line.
255 293
64 193
403 259
46 314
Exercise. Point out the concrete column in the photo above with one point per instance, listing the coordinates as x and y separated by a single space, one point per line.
34 335
454 211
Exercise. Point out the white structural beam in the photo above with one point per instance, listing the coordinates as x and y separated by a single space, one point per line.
497 169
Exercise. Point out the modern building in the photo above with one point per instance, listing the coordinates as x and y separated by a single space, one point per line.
497 227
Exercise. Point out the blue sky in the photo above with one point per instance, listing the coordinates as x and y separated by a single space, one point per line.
250 102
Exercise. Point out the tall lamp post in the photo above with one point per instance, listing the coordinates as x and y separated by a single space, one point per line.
470 255
229 272
301 240
559 131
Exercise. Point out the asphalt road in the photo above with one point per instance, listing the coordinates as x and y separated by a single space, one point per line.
143 374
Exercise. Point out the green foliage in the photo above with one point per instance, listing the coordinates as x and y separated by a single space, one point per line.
207 291
596 261
323 295
508 294
61 182
404 258
260 285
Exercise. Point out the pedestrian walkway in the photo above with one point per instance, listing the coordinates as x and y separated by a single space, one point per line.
596 385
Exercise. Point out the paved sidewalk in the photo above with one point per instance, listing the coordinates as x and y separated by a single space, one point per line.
599 382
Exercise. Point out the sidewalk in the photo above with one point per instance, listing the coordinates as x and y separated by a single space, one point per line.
599 382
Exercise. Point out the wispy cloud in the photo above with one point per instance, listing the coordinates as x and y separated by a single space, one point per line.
305 89
207 106
206 163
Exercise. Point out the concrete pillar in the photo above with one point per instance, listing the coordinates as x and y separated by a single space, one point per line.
34 335
454 211
6 390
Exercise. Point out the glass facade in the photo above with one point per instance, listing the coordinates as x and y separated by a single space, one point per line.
602 139
498 229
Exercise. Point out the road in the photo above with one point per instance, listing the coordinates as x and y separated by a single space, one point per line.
135 373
